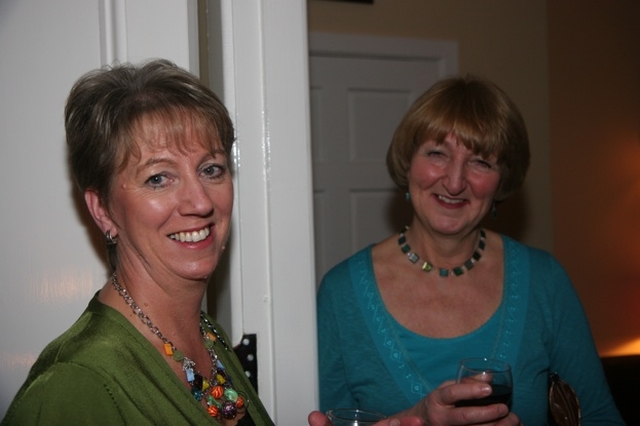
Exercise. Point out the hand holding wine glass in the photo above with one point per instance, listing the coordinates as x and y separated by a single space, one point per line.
486 370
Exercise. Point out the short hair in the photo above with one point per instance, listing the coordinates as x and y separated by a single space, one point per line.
480 115
106 107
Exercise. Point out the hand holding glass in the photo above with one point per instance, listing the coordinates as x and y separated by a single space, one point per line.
486 370
353 417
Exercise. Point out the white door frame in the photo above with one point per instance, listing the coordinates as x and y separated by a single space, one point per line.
133 31
272 278
445 52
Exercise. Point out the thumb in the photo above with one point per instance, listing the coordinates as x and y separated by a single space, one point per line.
316 418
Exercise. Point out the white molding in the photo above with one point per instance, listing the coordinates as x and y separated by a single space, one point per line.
113 31
137 30
249 274
331 44
291 209
271 253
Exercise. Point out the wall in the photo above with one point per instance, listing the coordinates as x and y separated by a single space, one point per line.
594 80
573 68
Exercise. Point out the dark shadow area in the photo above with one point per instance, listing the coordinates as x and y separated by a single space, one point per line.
623 375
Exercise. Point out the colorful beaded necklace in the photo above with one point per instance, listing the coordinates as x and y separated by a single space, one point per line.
221 398
443 272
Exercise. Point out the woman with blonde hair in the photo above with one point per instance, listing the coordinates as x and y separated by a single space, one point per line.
395 318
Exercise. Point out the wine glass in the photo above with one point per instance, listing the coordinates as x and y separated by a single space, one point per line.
486 370
353 417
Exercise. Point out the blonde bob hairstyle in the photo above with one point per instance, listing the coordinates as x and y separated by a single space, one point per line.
481 117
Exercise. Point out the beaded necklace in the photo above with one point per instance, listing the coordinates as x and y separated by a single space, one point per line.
443 272
223 401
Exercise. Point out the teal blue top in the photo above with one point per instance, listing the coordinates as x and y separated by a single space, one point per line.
369 360
102 371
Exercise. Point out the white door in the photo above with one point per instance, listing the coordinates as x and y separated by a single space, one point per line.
360 89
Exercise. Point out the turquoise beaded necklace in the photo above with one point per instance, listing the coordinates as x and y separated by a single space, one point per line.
443 272
222 400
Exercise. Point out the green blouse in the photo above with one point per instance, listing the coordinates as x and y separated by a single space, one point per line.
102 371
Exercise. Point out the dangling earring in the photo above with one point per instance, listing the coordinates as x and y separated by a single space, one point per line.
111 241
407 196
494 210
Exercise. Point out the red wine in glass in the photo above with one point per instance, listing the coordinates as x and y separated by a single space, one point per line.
486 370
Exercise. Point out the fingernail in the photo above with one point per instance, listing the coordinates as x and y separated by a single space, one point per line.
394 422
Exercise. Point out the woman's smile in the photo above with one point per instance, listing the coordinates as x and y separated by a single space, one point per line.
452 202
191 236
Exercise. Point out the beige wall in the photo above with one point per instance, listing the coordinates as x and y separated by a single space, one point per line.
508 42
